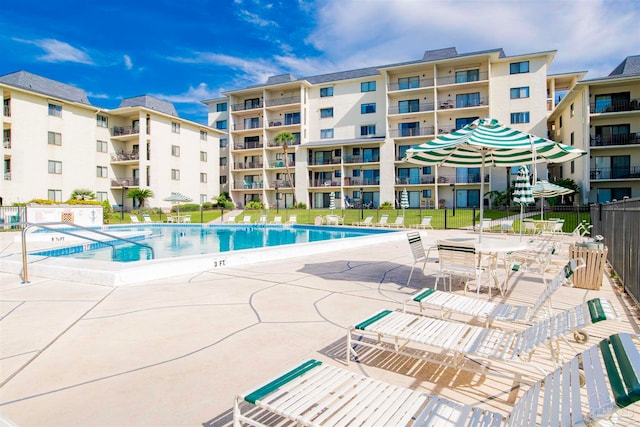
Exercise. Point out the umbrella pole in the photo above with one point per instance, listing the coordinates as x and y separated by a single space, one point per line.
521 218
542 208
481 195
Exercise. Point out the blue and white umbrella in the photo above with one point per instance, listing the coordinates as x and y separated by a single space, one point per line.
404 200
522 194
332 200
544 189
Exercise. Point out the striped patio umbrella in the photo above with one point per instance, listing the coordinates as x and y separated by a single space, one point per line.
404 200
544 189
332 200
488 142
522 194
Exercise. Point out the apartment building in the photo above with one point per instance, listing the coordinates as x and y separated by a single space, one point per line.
352 128
55 141
602 116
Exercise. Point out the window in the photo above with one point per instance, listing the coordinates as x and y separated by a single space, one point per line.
175 151
175 127
519 67
367 130
571 110
203 177
560 121
223 179
101 146
367 86
426 194
409 106
223 161
54 138
252 103
409 129
465 100
203 156
55 195
408 82
55 110
606 195
573 166
221 124
463 121
203 135
467 76
224 142
368 108
613 135
426 170
519 117
519 92
292 118
326 112
175 174
326 91
222 106
326 133
102 121
101 171
55 167
572 138
101 196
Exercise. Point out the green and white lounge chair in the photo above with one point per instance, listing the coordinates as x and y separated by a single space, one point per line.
591 386
417 336
449 303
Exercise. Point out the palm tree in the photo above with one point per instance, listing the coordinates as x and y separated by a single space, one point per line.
286 138
140 194
83 194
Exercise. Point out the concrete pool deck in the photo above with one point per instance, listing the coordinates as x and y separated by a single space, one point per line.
175 351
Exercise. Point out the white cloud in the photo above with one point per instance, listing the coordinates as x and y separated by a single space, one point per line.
127 62
192 95
254 70
59 51
255 19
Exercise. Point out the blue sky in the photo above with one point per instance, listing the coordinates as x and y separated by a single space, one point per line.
188 51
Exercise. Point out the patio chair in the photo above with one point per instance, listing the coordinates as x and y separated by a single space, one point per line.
417 250
506 226
147 219
450 343
247 219
486 224
277 219
530 227
170 219
449 303
383 221
317 393
368 221
398 223
461 260
334 220
424 224
134 219
231 220
293 219
186 219
262 220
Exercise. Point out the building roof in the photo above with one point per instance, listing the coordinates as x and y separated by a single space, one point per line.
45 86
630 65
151 103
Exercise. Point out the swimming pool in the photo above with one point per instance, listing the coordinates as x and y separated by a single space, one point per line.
170 241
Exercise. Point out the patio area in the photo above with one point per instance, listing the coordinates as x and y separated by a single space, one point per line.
175 351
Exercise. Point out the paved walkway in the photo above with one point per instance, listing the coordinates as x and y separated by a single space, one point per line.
174 352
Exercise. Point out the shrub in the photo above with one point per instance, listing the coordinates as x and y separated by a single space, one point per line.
255 205
207 206
302 205
386 205
82 202
187 207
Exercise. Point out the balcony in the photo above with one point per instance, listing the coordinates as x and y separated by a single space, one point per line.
614 106
407 86
247 185
272 143
125 130
248 165
411 132
322 162
412 109
125 156
615 173
7 176
6 143
280 164
245 107
621 139
249 145
125 182
463 103
7 111
361 159
424 179
286 122
324 183
282 101
452 80
281 183
247 126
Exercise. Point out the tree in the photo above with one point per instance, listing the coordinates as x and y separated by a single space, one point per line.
284 139
140 194
566 199
83 194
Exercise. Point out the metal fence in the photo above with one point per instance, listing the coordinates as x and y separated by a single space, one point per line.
619 224
11 217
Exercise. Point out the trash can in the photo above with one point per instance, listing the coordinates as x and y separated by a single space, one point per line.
595 257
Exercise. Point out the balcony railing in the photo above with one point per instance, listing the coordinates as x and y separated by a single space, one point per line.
124 130
402 133
272 143
248 165
282 101
123 156
615 173
281 183
462 103
125 182
621 139
245 126
280 164
615 106
361 159
247 145
429 106
7 176
6 143
324 183
449 80
410 85
247 185
320 162
424 179
286 122
243 106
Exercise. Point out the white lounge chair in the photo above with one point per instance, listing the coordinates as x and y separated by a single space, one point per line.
449 343
334 220
425 223
186 219
316 393
293 219
147 219
262 220
384 220
230 220
368 221
486 224
170 219
277 219
530 227
398 223
449 303
506 226
134 219
246 219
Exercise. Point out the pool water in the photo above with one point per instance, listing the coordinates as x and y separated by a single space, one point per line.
169 241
